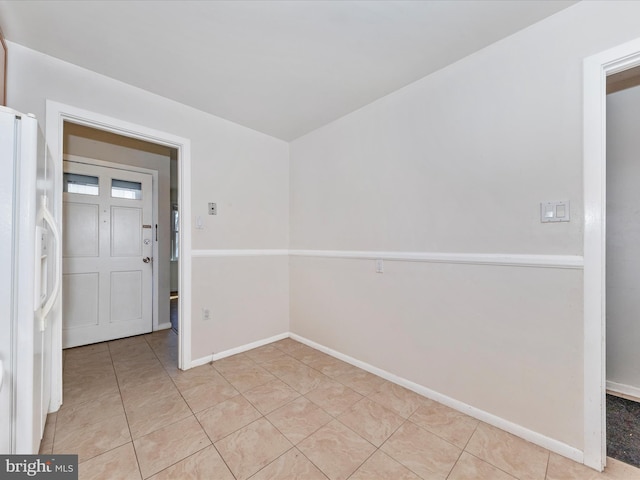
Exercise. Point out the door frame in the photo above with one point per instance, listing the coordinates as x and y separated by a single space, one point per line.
155 296
596 69
56 114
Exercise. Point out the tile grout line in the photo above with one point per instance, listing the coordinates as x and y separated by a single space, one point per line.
133 445
211 443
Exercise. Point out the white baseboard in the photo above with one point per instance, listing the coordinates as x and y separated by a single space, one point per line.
233 351
164 326
623 389
534 437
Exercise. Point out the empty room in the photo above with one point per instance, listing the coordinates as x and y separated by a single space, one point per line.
319 239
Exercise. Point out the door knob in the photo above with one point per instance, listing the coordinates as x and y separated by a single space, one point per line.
146 259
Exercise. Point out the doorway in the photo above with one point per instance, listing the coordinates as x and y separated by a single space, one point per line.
623 266
596 70
59 115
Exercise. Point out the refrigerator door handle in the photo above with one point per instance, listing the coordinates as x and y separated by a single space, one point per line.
45 214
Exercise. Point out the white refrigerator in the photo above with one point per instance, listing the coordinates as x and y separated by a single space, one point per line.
29 260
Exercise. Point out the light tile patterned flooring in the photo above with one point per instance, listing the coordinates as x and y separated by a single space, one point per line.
282 411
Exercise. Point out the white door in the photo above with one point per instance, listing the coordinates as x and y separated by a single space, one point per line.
107 254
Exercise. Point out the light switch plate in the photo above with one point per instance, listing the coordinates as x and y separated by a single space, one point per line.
558 211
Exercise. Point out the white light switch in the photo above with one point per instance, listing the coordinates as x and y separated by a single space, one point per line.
555 211
379 265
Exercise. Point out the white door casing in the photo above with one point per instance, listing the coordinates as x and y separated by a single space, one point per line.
596 69
107 255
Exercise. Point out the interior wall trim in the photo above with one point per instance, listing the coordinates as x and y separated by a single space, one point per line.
234 351
623 389
498 259
239 253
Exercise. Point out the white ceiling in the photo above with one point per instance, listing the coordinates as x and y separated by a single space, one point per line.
280 67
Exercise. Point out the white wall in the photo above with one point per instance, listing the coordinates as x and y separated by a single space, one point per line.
458 162
623 238
244 171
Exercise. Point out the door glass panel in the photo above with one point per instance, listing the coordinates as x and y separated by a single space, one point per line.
125 189
84 184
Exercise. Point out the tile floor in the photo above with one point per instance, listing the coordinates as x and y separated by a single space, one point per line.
282 411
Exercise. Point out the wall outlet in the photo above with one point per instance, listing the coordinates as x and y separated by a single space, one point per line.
213 208
379 265
206 314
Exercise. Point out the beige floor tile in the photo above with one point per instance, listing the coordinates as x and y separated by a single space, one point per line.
299 419
208 394
155 413
561 468
293 465
514 455
162 339
381 466
248 378
93 440
455 427
234 363
127 365
371 420
251 448
469 467
88 352
617 470
332 367
72 353
136 395
169 445
77 393
274 394
402 401
85 414
333 397
120 463
304 379
88 373
264 354
227 417
203 465
283 365
288 345
125 345
336 450
307 354
196 376
85 367
141 376
362 382
172 369
422 452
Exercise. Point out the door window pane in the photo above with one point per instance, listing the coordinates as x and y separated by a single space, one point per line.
125 189
84 184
